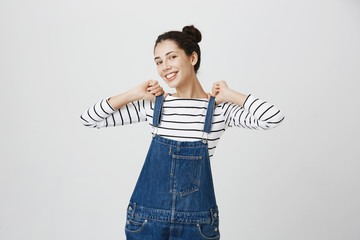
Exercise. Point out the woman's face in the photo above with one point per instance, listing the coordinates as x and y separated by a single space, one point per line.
173 65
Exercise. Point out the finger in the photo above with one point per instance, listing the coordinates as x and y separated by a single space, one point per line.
159 93
157 90
153 87
156 87
153 82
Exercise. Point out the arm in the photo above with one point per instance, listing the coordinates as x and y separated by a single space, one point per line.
246 111
122 109
122 99
102 114
254 114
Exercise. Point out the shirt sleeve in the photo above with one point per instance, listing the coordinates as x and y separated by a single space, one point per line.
254 114
102 114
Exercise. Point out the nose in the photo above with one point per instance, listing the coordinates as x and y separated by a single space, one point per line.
166 66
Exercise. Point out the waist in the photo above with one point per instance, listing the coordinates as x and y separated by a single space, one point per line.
208 216
181 144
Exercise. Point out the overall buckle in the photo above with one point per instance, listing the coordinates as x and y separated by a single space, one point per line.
154 132
204 140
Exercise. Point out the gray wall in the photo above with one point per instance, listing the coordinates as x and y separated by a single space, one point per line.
61 180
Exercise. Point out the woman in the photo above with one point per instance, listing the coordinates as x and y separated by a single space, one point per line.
174 195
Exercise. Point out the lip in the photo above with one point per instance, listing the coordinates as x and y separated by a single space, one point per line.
170 73
176 72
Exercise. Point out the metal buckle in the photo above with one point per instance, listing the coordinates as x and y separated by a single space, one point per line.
154 132
204 140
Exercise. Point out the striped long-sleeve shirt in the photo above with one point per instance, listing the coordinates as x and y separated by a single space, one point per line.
183 118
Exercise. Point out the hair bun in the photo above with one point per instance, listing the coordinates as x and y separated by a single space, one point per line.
193 32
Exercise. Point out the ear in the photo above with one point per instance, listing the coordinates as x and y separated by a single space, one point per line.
193 58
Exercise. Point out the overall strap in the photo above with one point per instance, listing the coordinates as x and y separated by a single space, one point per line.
208 119
158 110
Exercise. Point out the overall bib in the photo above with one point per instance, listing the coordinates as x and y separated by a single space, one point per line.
174 195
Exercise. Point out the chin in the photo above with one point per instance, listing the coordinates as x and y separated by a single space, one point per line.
171 84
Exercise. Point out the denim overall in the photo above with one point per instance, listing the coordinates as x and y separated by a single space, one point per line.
174 196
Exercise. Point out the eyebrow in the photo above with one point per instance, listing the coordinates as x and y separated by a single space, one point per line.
165 55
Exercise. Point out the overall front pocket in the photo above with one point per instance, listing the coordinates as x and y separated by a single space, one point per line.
185 174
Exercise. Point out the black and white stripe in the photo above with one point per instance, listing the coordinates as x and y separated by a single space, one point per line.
183 118
255 114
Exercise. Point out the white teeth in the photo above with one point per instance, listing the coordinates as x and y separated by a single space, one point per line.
170 75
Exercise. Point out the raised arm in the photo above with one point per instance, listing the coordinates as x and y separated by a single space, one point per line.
246 111
122 109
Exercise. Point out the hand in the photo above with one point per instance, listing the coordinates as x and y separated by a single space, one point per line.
149 90
220 91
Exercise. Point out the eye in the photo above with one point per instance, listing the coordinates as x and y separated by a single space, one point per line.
158 63
173 57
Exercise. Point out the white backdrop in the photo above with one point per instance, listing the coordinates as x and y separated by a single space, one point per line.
61 180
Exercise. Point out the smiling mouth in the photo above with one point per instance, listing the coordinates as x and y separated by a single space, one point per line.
171 76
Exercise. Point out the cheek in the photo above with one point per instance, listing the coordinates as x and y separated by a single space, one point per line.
185 67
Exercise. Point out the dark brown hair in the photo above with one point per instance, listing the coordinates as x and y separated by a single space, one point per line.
187 40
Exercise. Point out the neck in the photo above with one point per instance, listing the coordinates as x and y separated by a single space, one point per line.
191 89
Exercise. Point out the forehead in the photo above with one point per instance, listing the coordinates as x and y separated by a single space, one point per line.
164 47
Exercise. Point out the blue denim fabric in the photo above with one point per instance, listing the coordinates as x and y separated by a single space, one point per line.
174 196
